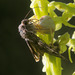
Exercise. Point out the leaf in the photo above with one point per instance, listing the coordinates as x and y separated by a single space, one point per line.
63 40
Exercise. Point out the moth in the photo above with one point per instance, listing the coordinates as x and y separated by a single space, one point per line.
36 45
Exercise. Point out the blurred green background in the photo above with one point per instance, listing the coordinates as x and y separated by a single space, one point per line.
15 57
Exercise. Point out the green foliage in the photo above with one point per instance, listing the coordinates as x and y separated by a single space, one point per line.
68 11
43 7
71 45
73 73
63 40
52 64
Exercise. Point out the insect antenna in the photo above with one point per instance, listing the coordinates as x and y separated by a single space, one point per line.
30 11
27 13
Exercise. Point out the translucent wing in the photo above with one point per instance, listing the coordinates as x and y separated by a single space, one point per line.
35 54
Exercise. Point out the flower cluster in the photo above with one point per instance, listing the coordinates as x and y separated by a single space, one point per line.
44 7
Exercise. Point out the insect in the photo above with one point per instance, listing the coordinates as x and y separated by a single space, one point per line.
36 45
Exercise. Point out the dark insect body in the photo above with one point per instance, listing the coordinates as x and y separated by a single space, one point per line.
36 45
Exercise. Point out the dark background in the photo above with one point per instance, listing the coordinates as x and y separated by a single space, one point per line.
15 57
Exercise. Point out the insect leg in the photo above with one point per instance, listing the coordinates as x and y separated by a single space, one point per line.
34 54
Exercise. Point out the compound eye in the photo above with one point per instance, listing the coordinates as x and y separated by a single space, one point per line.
23 27
25 21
